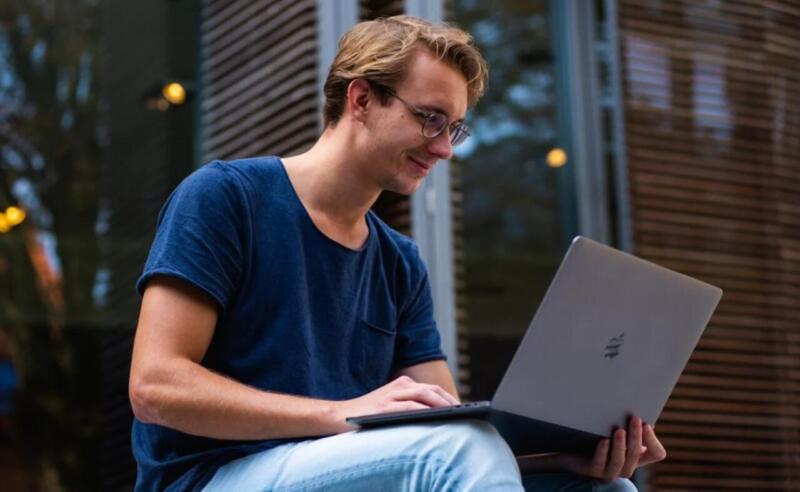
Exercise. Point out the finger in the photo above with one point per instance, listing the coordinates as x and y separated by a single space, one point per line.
394 406
421 394
406 381
616 458
633 447
405 406
600 458
402 381
450 399
444 394
655 450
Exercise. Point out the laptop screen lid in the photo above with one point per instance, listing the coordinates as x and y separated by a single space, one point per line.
609 340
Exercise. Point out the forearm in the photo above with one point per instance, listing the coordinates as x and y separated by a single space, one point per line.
190 398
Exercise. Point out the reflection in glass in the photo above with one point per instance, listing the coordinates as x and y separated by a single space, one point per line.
87 166
50 116
513 230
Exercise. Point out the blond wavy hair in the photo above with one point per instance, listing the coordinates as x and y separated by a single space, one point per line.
380 50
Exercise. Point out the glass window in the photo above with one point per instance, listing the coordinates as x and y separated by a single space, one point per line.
514 217
96 127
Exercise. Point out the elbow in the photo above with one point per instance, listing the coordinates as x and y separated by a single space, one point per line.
144 399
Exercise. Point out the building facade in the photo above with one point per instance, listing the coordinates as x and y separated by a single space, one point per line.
678 123
665 128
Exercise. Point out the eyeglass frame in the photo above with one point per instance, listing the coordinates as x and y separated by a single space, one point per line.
456 128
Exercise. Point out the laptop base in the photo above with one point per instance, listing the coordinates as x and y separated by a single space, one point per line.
530 436
474 410
523 435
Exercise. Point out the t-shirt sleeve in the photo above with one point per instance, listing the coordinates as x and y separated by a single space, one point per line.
418 338
199 234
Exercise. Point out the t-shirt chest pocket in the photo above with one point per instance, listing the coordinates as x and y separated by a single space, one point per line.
377 345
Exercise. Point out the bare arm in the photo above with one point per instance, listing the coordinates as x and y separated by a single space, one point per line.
169 387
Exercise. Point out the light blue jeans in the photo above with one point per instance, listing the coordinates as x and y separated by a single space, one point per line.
467 455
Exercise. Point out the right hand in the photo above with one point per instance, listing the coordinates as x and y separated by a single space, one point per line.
401 395
618 456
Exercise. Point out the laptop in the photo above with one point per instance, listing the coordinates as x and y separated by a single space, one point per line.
609 340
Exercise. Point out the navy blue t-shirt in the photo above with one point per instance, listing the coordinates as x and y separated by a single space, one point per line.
298 312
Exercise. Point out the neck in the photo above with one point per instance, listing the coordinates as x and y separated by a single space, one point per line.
330 181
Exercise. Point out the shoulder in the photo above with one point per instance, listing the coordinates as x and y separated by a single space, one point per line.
234 172
399 249
251 166
229 182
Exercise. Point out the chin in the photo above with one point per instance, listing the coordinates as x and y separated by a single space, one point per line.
407 188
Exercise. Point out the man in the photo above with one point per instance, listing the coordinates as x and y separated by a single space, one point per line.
275 304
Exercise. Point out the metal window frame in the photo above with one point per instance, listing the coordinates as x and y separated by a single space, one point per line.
579 113
580 119
624 221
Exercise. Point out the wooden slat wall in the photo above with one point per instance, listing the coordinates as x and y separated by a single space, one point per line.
259 71
464 375
712 110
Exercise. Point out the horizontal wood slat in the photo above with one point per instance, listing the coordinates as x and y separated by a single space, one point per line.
219 12
712 116
259 78
276 30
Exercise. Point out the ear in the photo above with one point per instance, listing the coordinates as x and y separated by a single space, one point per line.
358 99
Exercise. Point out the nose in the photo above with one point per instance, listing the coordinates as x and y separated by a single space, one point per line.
440 146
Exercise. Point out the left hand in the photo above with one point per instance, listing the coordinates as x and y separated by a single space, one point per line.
618 456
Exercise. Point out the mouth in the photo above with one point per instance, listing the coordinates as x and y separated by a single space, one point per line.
424 167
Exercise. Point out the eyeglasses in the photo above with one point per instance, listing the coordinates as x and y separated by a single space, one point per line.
433 123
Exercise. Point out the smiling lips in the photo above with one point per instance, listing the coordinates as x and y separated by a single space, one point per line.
424 167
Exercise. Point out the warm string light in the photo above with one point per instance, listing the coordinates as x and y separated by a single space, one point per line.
174 93
13 216
556 158
163 98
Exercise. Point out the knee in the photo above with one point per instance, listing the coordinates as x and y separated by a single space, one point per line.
473 430
472 456
464 436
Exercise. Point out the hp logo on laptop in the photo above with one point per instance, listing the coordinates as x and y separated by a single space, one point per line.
613 346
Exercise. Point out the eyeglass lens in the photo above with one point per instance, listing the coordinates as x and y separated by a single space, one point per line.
436 123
